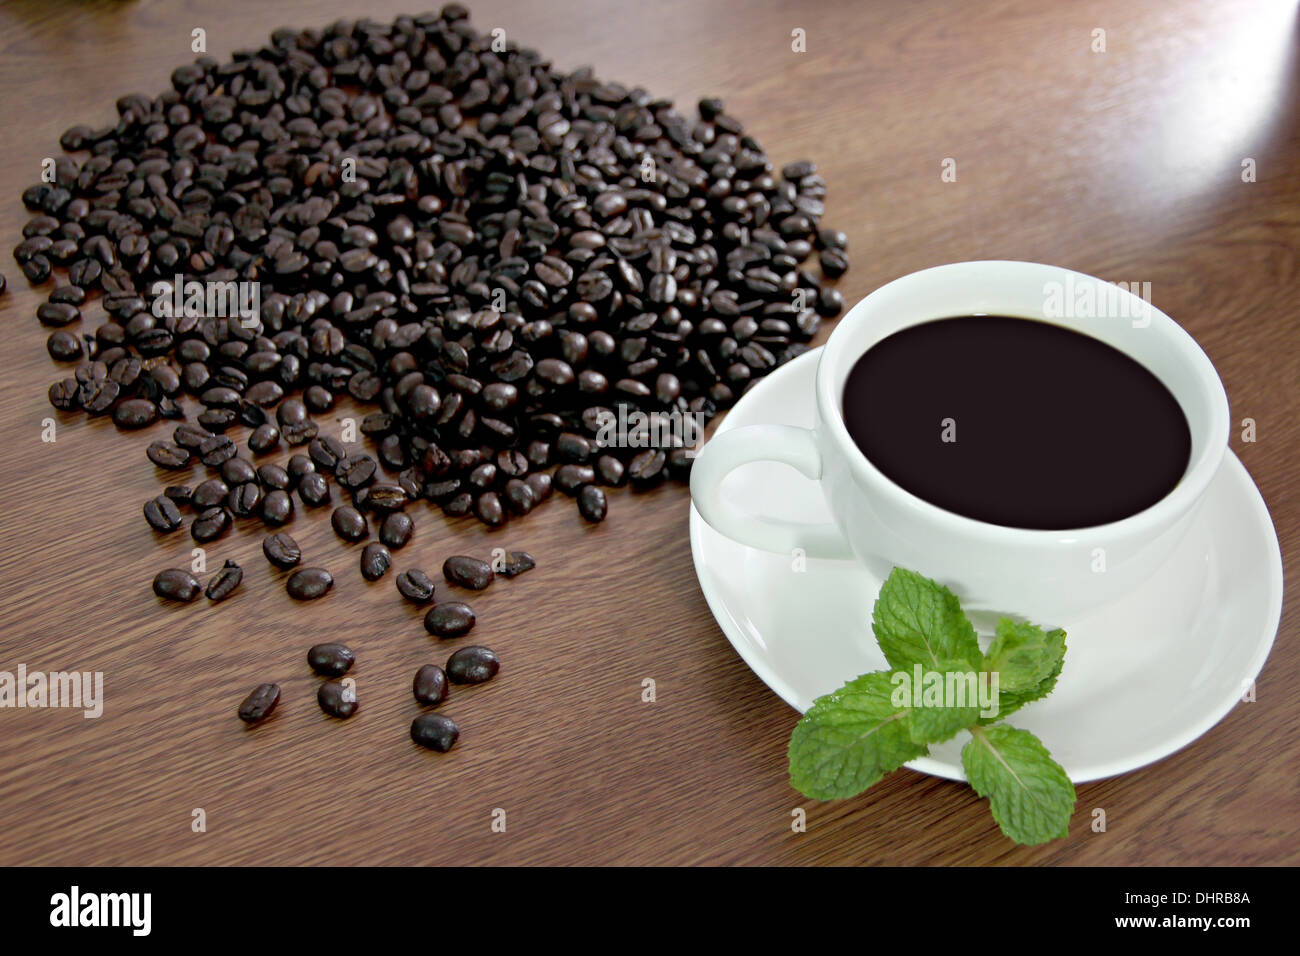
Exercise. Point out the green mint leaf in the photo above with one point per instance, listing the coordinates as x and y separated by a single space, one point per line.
1011 701
1029 793
918 621
850 739
944 699
1023 654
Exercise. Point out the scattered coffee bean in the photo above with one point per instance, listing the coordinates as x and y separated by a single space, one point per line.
451 619
135 413
467 572
474 664
209 494
430 685
516 563
162 514
259 704
281 550
314 490
264 438
224 582
415 586
166 455
210 525
277 507
395 531
330 660
592 504
64 347
337 698
375 561
349 523
180 495
435 731
307 584
176 584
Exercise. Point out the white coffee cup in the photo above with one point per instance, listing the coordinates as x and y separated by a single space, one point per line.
1049 577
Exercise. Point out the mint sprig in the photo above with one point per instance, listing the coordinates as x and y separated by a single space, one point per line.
849 740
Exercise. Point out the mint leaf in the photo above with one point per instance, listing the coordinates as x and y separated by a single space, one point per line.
946 701
1011 701
1023 654
850 739
918 621
1029 793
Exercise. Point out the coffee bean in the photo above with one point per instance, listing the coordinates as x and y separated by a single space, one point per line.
519 498
570 478
467 572
210 525
209 494
337 698
272 477
430 685
516 563
375 561
307 584
162 514
355 471
488 509
216 450
237 471
181 496
244 500
314 490
474 664
135 412
64 347
190 437
451 619
326 452
330 660
415 586
166 455
263 439
611 471
224 582
539 483
592 504
175 584
277 507
349 523
647 468
281 550
259 704
435 732
834 262
396 529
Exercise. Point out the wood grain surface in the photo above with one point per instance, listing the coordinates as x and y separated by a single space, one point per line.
1124 164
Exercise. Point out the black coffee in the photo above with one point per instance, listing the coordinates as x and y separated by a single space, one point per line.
1016 422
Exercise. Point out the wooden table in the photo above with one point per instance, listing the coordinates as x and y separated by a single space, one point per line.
1125 164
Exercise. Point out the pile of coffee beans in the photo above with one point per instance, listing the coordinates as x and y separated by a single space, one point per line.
539 281
502 257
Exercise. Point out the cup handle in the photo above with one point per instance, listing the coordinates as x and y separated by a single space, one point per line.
787 444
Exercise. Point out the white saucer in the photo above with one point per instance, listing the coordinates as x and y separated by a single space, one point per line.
1143 677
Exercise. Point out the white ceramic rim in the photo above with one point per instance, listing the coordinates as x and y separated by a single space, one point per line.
1206 458
733 629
